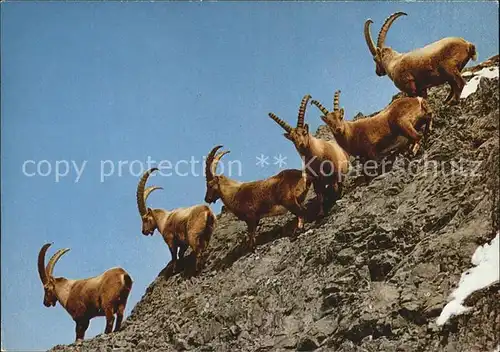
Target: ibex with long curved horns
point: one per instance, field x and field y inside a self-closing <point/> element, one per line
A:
<point x="84" y="299"/>
<point x="325" y="161"/>
<point x="416" y="71"/>
<point x="370" y="137"/>
<point x="180" y="228"/>
<point x="252" y="201"/>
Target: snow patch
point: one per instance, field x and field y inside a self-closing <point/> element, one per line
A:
<point x="485" y="273"/>
<point x="471" y="86"/>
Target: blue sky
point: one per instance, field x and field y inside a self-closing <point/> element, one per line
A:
<point x="127" y="81"/>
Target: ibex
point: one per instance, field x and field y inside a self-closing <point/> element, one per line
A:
<point x="180" y="227"/>
<point x="325" y="161"/>
<point x="251" y="201"/>
<point x="103" y="295"/>
<point x="371" y="137"/>
<point x="416" y="71"/>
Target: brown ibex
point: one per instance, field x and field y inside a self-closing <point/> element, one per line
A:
<point x="84" y="299"/>
<point x="180" y="228"/>
<point x="251" y="201"/>
<point x="325" y="161"/>
<point x="371" y="137"/>
<point x="416" y="71"/>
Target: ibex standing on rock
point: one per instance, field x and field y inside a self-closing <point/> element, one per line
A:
<point x="103" y="295"/>
<point x="325" y="161"/>
<point x="416" y="71"/>
<point x="371" y="137"/>
<point x="251" y="201"/>
<point x="180" y="227"/>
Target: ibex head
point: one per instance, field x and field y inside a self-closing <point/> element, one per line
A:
<point x="299" y="135"/>
<point x="380" y="52"/>
<point x="213" y="188"/>
<point x="48" y="280"/>
<point x="148" y="221"/>
<point x="334" y="119"/>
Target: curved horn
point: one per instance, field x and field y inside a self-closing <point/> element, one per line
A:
<point x="302" y="110"/>
<point x="141" y="200"/>
<point x="385" y="27"/>
<point x="319" y="106"/>
<point x="41" y="262"/>
<point x="368" y="37"/>
<point x="216" y="161"/>
<point x="148" y="191"/>
<point x="54" y="259"/>
<point x="208" y="162"/>
<point x="280" y="122"/>
<point x="336" y="100"/>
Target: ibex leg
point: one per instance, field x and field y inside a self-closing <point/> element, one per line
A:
<point x="200" y="252"/>
<point x="459" y="82"/>
<point x="182" y="250"/>
<point x="319" y="188"/>
<point x="81" y="327"/>
<point x="119" y="316"/>
<point x="450" y="95"/>
<point x="110" y="319"/>
<point x="299" y="211"/>
<point x="410" y="132"/>
<point x="252" y="229"/>
<point x="456" y="82"/>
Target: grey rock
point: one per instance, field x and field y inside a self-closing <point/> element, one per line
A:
<point x="307" y="344"/>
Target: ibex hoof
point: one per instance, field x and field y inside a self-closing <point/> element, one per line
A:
<point x="415" y="149"/>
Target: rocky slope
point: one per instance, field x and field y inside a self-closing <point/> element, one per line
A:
<point x="371" y="276"/>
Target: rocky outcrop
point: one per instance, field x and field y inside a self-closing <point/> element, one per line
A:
<point x="373" y="275"/>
